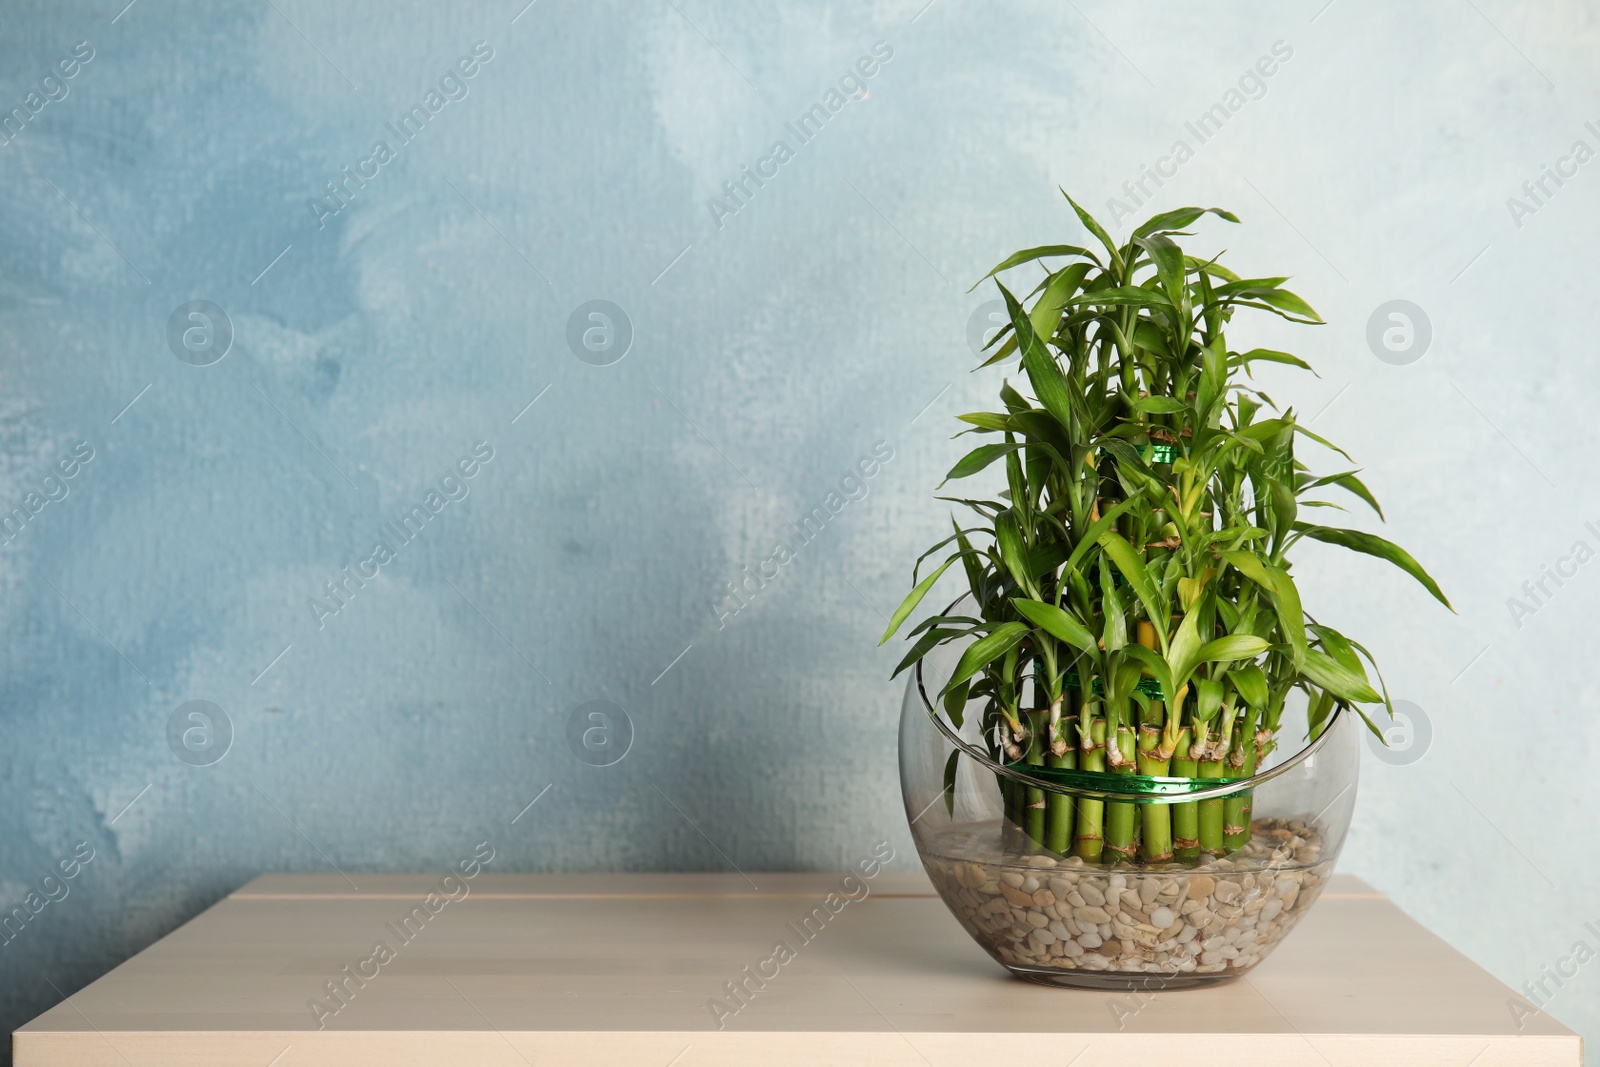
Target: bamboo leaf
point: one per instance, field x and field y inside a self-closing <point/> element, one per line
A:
<point x="1094" y="227"/>
<point x="1336" y="678"/>
<point x="1285" y="599"/>
<point x="1211" y="268"/>
<point x="970" y="563"/>
<point x="1045" y="558"/>
<point x="1287" y="302"/>
<point x="1002" y="353"/>
<point x="1373" y="545"/>
<point x="1091" y="536"/>
<point x="950" y="782"/>
<point x="955" y="702"/>
<point x="1046" y="311"/>
<point x="978" y="459"/>
<point x="1042" y="428"/>
<point x="1124" y="681"/>
<point x="1159" y="405"/>
<point x="1350" y="483"/>
<point x="1158" y="668"/>
<point x="1060" y="624"/>
<point x="1180" y="219"/>
<point x="1232" y="647"/>
<point x="1250" y="287"/>
<point x="1013" y="549"/>
<point x="1285" y="509"/>
<point x="1208" y="695"/>
<point x="1049" y="385"/>
<point x="1168" y="259"/>
<point x="1183" y="652"/>
<point x="1383" y="686"/>
<point x="988" y="420"/>
<point x="1323" y="441"/>
<point x="1127" y="456"/>
<point x="986" y="650"/>
<point x="1251" y="682"/>
<point x="909" y="604"/>
<point x="1014" y="401"/>
<point x="924" y="645"/>
<point x="1150" y="335"/>
<point x="1126" y="560"/>
<point x="1020" y="495"/>
<point x="1291" y="617"/>
<point x="1268" y="355"/>
<point x="988" y="507"/>
<point x="1317" y="716"/>
<point x="1334" y="643"/>
<point x="1135" y="295"/>
<point x="971" y="622"/>
<point x="1028" y="255"/>
<point x="1114" y="632"/>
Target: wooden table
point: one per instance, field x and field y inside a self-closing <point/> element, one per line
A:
<point x="626" y="969"/>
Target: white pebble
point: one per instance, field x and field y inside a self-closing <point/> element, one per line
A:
<point x="1162" y="918"/>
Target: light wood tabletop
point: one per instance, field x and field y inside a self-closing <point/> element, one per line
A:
<point x="684" y="970"/>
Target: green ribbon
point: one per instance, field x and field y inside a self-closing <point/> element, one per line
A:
<point x="1133" y="785"/>
<point x="1155" y="452"/>
<point x="1148" y="686"/>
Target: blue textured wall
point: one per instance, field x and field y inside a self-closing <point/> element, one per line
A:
<point x="572" y="153"/>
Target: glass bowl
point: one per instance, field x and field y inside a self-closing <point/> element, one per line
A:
<point x="1052" y="917"/>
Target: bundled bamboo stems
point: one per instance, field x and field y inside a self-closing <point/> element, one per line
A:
<point x="1134" y="613"/>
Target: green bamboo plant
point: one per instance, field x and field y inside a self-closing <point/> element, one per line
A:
<point x="1133" y="608"/>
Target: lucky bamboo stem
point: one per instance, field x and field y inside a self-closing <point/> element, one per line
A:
<point x="1185" y="816"/>
<point x="1156" y="819"/>
<point x="1058" y="806"/>
<point x="1088" y="843"/>
<point x="1121" y="815"/>
<point x="1013" y="797"/>
<point x="1236" y="809"/>
<point x="1033" y="812"/>
<point x="1211" y="839"/>
<point x="1058" y="809"/>
<point x="1013" y="838"/>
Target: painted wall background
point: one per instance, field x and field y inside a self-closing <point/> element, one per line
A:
<point x="774" y="344"/>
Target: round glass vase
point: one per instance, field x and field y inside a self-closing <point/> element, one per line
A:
<point x="1052" y="916"/>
